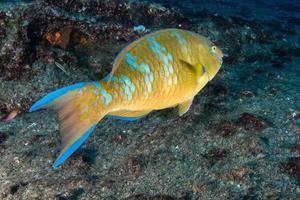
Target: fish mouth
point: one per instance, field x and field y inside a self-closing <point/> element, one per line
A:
<point x="221" y="55"/>
<point x="224" y="55"/>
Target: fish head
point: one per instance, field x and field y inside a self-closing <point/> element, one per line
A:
<point x="211" y="59"/>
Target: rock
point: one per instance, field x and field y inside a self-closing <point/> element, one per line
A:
<point x="14" y="189"/>
<point x="292" y="167"/>
<point x="226" y="128"/>
<point x="246" y="93"/>
<point x="217" y="153"/>
<point x="120" y="138"/>
<point x="239" y="174"/>
<point x="3" y="137"/>
<point x="156" y="197"/>
<point x="295" y="150"/>
<point x="221" y="90"/>
<point x="249" y="121"/>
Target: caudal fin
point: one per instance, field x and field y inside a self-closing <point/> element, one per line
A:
<point x="79" y="112"/>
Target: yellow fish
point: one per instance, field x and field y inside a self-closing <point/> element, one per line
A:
<point x="163" y="69"/>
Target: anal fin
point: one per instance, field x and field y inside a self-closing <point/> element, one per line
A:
<point x="184" y="107"/>
<point x="127" y="115"/>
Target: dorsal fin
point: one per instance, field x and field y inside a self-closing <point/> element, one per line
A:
<point x="129" y="48"/>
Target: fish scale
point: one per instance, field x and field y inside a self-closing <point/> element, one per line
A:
<point x="163" y="69"/>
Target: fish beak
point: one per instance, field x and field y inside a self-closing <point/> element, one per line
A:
<point x="221" y="55"/>
<point x="224" y="55"/>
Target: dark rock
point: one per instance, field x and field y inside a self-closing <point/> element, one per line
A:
<point x="280" y="27"/>
<point x="37" y="138"/>
<point x="292" y="167"/>
<point x="246" y="93"/>
<point x="231" y="59"/>
<point x="273" y="91"/>
<point x="137" y="12"/>
<point x="278" y="65"/>
<point x="3" y="137"/>
<point x="215" y="107"/>
<point x="239" y="173"/>
<point x="295" y="150"/>
<point x="71" y="195"/>
<point x="13" y="62"/>
<point x="265" y="140"/>
<point x="292" y="20"/>
<point x="221" y="22"/>
<point x="252" y="58"/>
<point x="217" y="153"/>
<point x="83" y="158"/>
<point x="226" y="128"/>
<point x="76" y="193"/>
<point x="259" y="70"/>
<point x="221" y="90"/>
<point x="283" y="51"/>
<point x="157" y="197"/>
<point x="25" y="104"/>
<point x="249" y="121"/>
<point x="89" y="156"/>
<point x="120" y="138"/>
<point x="133" y="166"/>
<point x="14" y="188"/>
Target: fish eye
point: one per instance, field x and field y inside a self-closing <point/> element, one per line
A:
<point x="213" y="49"/>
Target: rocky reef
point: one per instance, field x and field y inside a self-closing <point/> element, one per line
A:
<point x="239" y="140"/>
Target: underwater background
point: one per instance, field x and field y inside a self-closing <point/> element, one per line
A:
<point x="239" y="140"/>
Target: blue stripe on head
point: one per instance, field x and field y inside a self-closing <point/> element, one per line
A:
<point x="70" y="150"/>
<point x="54" y="95"/>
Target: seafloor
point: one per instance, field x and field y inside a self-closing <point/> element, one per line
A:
<point x="240" y="139"/>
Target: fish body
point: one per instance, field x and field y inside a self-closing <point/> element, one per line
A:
<point x="160" y="70"/>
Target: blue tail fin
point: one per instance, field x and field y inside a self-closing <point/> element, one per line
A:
<point x="77" y="118"/>
<point x="42" y="103"/>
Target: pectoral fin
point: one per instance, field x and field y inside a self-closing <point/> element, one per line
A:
<point x="198" y="69"/>
<point x="184" y="107"/>
<point x="127" y="115"/>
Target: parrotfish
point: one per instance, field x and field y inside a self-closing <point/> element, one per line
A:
<point x="163" y="69"/>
